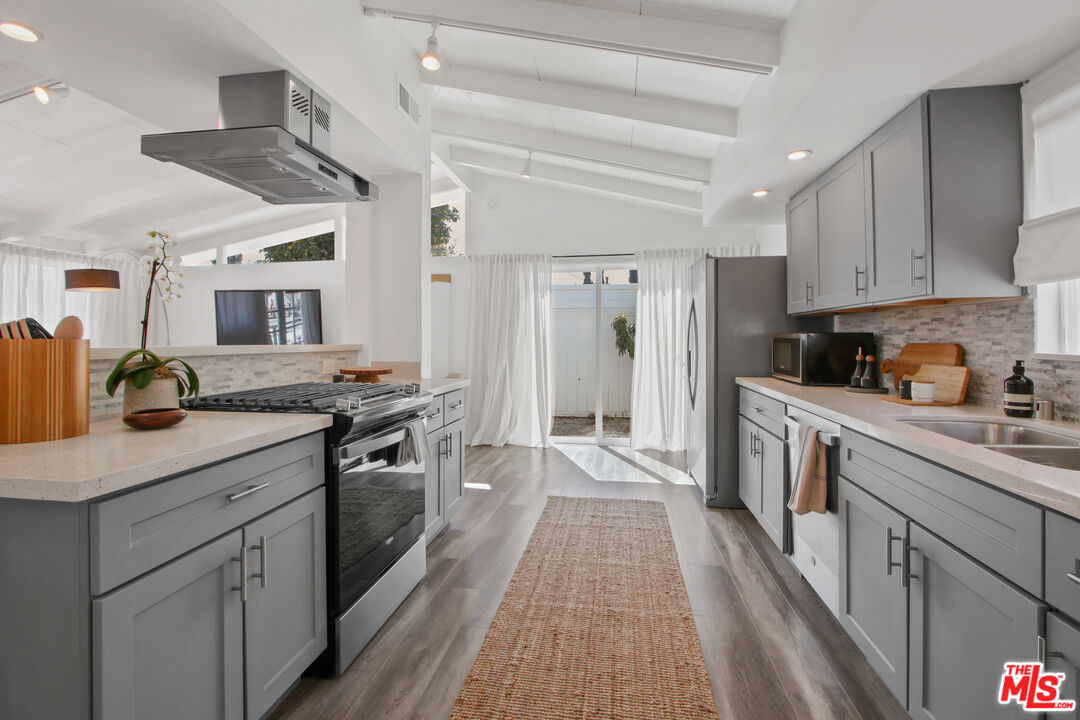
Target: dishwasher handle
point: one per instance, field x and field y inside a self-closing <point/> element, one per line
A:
<point x="830" y="439"/>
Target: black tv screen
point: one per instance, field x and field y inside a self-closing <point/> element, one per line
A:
<point x="268" y="317"/>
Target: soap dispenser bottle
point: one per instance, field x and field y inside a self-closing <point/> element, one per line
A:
<point x="1019" y="393"/>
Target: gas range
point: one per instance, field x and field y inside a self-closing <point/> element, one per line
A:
<point x="358" y="408"/>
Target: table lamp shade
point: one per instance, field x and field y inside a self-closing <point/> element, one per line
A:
<point x="91" y="280"/>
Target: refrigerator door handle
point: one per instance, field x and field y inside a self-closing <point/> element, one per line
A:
<point x="691" y="343"/>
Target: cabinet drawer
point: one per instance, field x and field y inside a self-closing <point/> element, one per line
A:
<point x="1000" y="531"/>
<point x="454" y="405"/>
<point x="766" y="412"/>
<point x="141" y="530"/>
<point x="436" y="414"/>
<point x="1062" y="558"/>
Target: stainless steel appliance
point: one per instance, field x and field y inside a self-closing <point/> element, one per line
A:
<point x="736" y="304"/>
<point x="818" y="358"/>
<point x="375" y="495"/>
<point x="273" y="140"/>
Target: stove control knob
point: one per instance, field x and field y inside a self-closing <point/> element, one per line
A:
<point x="412" y="389"/>
<point x="341" y="404"/>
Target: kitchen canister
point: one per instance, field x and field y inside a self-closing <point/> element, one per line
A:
<point x="922" y="391"/>
<point x="44" y="390"/>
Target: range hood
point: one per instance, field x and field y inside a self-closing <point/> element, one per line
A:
<point x="273" y="141"/>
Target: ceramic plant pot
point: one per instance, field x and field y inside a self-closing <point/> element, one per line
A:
<point x="160" y="394"/>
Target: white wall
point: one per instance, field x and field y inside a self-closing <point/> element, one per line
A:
<point x="192" y="320"/>
<point x="516" y="215"/>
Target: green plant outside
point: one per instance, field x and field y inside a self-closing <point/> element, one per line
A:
<point x="625" y="334"/>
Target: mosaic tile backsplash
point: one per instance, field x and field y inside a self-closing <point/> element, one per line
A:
<point x="993" y="335"/>
<point x="226" y="373"/>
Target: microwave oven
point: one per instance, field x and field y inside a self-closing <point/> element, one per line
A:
<point x="818" y="358"/>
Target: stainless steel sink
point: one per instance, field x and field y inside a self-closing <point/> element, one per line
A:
<point x="1067" y="458"/>
<point x="988" y="432"/>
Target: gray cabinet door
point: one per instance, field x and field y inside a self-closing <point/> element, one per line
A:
<point x="453" y="472"/>
<point x="1063" y="656"/>
<point x="433" y="487"/>
<point x="170" y="644"/>
<point x="841" y="223"/>
<point x="749" y="467"/>
<point x="773" y="460"/>
<point x="897" y="167"/>
<point x="802" y="251"/>
<point x="285" y="613"/>
<point x="966" y="623"/>
<point x="873" y="602"/>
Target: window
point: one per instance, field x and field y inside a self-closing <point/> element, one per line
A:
<point x="307" y="249"/>
<point x="1048" y="256"/>
<point x="448" y="229"/>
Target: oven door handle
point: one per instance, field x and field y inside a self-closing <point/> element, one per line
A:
<point x="363" y="447"/>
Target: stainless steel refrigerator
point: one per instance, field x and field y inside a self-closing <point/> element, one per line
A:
<point x="738" y="303"/>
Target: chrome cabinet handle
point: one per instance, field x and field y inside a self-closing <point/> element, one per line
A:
<point x="1074" y="577"/>
<point x="436" y="413"/>
<point x="450" y="445"/>
<point x="809" y="287"/>
<point x="443" y="452"/>
<point x="243" y="573"/>
<point x="262" y="561"/>
<point x="858" y="272"/>
<point x="905" y="569"/>
<point x="756" y="409"/>
<point x="889" y="564"/>
<point x="250" y="491"/>
<point x="915" y="257"/>
<point x="458" y="404"/>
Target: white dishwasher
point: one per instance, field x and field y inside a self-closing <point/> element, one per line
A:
<point x="815" y="537"/>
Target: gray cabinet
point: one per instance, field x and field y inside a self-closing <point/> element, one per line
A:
<point x="896" y="160"/>
<point x="444" y="481"/>
<point x="941" y="201"/>
<point x="965" y="624"/>
<point x="762" y="465"/>
<point x="1063" y="656"/>
<point x="802" y="251"/>
<point x="873" y="598"/>
<point x="841" y="234"/>
<point x="170" y="644"/>
<point x="285" y="613"/>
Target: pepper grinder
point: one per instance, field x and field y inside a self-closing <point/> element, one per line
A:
<point x="869" y="377"/>
<point x="860" y="366"/>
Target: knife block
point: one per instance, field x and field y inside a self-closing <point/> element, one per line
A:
<point x="44" y="390"/>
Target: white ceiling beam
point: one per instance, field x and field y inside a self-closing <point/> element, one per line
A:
<point x="701" y="43"/>
<point x="711" y="119"/>
<point x="581" y="180"/>
<point x="79" y="213"/>
<point x="525" y="138"/>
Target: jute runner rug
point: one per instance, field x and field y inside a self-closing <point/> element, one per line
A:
<point x="596" y="623"/>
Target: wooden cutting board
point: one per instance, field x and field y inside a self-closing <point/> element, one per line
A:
<point x="913" y="355"/>
<point x="951" y="382"/>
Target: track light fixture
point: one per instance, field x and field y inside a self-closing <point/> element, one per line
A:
<point x="526" y="172"/>
<point x="430" y="59"/>
<point x="45" y="93"/>
<point x="19" y="31"/>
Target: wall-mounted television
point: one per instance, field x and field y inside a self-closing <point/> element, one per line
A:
<point x="268" y="317"/>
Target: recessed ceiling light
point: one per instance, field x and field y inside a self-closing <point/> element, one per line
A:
<point x="430" y="59"/>
<point x="760" y="193"/>
<point x="45" y="93"/>
<point x="797" y="154"/>
<point x="19" y="31"/>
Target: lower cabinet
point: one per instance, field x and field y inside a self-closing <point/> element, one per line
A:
<point x="229" y="626"/>
<point x="966" y="623"/>
<point x="444" y="487"/>
<point x="1063" y="656"/>
<point x="762" y="466"/>
<point x="873" y="596"/>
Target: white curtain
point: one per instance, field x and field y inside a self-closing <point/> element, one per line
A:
<point x="659" y="403"/>
<point x="32" y="285"/>
<point x="509" y="351"/>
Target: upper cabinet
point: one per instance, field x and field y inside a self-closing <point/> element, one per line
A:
<point x="927" y="208"/>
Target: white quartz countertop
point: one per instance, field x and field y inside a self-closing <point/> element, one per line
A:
<point x="870" y="415"/>
<point x="114" y="457"/>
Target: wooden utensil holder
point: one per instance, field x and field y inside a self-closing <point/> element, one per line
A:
<point x="44" y="390"/>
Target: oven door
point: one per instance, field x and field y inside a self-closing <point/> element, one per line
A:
<point x="788" y="357"/>
<point x="378" y="510"/>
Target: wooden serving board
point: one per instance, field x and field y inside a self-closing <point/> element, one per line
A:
<point x="903" y="401"/>
<point x="914" y="355"/>
<point x="951" y="383"/>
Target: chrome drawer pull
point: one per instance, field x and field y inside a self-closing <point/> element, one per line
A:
<point x="251" y="490"/>
<point x="262" y="561"/>
<point x="243" y="574"/>
<point x="458" y="404"/>
<point x="889" y="564"/>
<point x="1074" y="577"/>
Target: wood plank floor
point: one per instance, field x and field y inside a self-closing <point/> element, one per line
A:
<point x="772" y="648"/>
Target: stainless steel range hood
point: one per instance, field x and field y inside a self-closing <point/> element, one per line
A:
<point x="274" y="141"/>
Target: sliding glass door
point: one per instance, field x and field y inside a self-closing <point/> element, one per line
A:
<point x="594" y="318"/>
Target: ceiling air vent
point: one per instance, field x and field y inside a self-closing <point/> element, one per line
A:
<point x="407" y="104"/>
